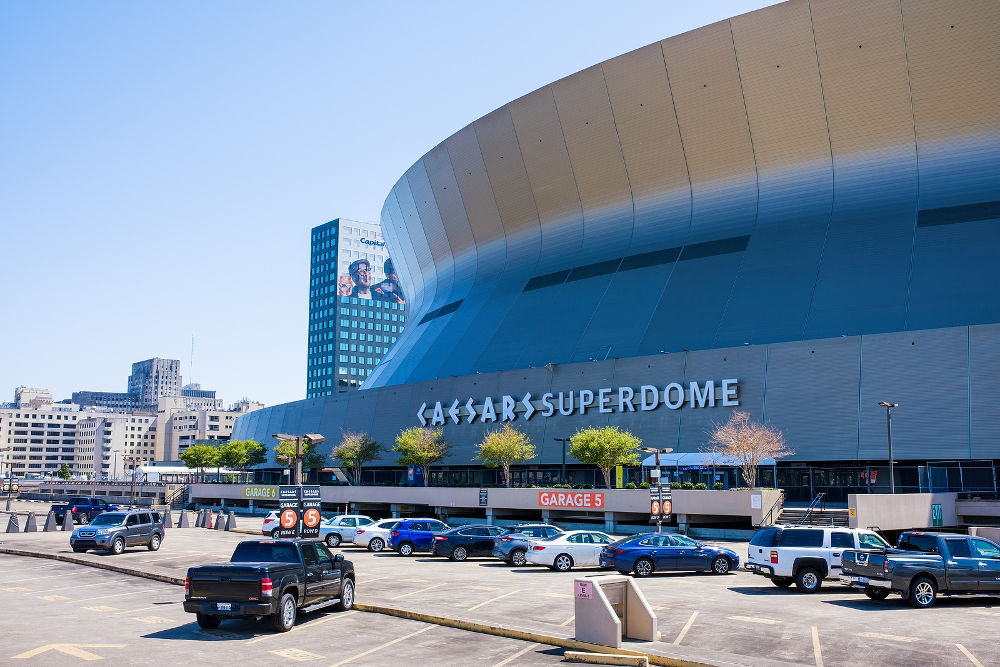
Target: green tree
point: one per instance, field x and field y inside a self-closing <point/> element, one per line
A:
<point x="284" y="454"/>
<point x="504" y="447"/>
<point x="64" y="471"/>
<point x="242" y="454"/>
<point x="421" y="446"/>
<point x="355" y="450"/>
<point x="200" y="457"/>
<point x="605" y="448"/>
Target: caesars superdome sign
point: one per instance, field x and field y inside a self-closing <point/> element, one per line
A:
<point x="672" y="396"/>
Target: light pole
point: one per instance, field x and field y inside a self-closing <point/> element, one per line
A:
<point x="659" y="482"/>
<point x="562" y="474"/>
<point x="888" y="426"/>
<point x="129" y="458"/>
<point x="309" y="439"/>
<point x="9" y="482"/>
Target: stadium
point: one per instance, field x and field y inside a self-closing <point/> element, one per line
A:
<point x="793" y="212"/>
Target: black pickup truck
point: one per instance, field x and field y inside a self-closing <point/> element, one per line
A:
<point x="275" y="579"/>
<point x="925" y="565"/>
<point x="83" y="509"/>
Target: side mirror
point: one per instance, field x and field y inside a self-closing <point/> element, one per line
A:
<point x="338" y="558"/>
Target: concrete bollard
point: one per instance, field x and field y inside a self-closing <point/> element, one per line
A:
<point x="231" y="523"/>
<point x="50" y="523"/>
<point x="12" y="525"/>
<point x="199" y="519"/>
<point x="182" y="521"/>
<point x="220" y="524"/>
<point x="30" y="525"/>
<point x="68" y="521"/>
<point x="167" y="519"/>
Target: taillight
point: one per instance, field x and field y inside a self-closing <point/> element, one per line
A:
<point x="395" y="533"/>
<point x="841" y="560"/>
<point x="440" y="538"/>
<point x="538" y="548"/>
<point x="774" y="557"/>
<point x="187" y="585"/>
<point x="506" y="539"/>
<point x="360" y="530"/>
<point x="886" y="567"/>
<point x="74" y="510"/>
<point x="616" y="550"/>
<point x="266" y="587"/>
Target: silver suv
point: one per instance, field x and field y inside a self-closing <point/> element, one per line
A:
<point x="113" y="531"/>
<point x="805" y="555"/>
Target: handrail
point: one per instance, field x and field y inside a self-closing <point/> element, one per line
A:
<point x="807" y="515"/>
<point x="768" y="519"/>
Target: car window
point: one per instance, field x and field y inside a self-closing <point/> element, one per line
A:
<point x="145" y="518"/>
<point x="552" y="531"/>
<point x="364" y="521"/>
<point x="309" y="554"/>
<point x="348" y="522"/>
<point x="925" y="543"/>
<point x="435" y="525"/>
<point x="324" y="555"/>
<point x="985" y="549"/>
<point x="871" y="541"/>
<point x="765" y="537"/>
<point x="601" y="539"/>
<point x="468" y="531"/>
<point x="132" y="520"/>
<point x="534" y="531"/>
<point x="107" y="519"/>
<point x="98" y="502"/>
<point x="842" y="540"/>
<point x="493" y="531"/>
<point x="682" y="541"/>
<point x="801" y="538"/>
<point x="156" y="517"/>
<point x="959" y="548"/>
<point x="575" y="539"/>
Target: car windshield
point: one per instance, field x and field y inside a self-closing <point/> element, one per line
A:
<point x="108" y="519"/>
<point x="627" y="539"/>
<point x="552" y="537"/>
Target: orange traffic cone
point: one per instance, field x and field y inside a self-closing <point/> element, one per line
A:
<point x="210" y="518"/>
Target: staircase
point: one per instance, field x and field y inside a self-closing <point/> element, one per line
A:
<point x="176" y="496"/>
<point x="803" y="516"/>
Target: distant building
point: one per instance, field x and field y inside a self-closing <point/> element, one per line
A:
<point x="109" y="400"/>
<point x="38" y="440"/>
<point x="151" y="381"/>
<point x="184" y="428"/>
<point x="30" y="397"/>
<point x="108" y="446"/>
<point x="356" y="306"/>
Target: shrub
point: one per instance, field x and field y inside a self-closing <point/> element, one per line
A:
<point x="687" y="485"/>
<point x="700" y="486"/>
<point x="675" y="485"/>
<point x="644" y="485"/>
<point x="630" y="485"/>
<point x="718" y="486"/>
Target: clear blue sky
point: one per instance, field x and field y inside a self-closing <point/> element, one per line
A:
<point x="161" y="164"/>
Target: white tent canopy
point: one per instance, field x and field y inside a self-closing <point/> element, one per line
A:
<point x="696" y="460"/>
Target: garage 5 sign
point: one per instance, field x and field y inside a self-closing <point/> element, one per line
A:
<point x="574" y="499"/>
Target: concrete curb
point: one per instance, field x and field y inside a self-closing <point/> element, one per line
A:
<point x="527" y="635"/>
<point x="605" y="658"/>
<point x="101" y="566"/>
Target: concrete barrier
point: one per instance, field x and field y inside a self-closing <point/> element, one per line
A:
<point x="30" y="525"/>
<point x="50" y="523"/>
<point x="231" y="522"/>
<point x="12" y="525"/>
<point x="182" y="521"/>
<point x="220" y="522"/>
<point x="67" y="523"/>
<point x="167" y="519"/>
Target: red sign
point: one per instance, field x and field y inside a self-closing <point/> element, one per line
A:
<point x="574" y="499"/>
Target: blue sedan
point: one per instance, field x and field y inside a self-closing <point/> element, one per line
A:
<point x="660" y="552"/>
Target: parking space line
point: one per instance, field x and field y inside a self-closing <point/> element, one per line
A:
<point x="684" y="630"/>
<point x="118" y="595"/>
<point x="816" y="652"/>
<point x="385" y="645"/>
<point x="66" y="588"/>
<point x="499" y="597"/>
<point x="422" y="590"/>
<point x="304" y="626"/>
<point x="754" y="619"/>
<point x="969" y="655"/>
<point x="517" y="655"/>
<point x="368" y="581"/>
<point x="892" y="638"/>
<point x="568" y="620"/>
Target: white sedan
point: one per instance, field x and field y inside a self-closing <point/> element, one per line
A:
<point x="341" y="528"/>
<point x="561" y="552"/>
<point x="375" y="536"/>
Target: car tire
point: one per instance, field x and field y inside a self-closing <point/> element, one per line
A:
<point x="333" y="540"/>
<point x="117" y="546"/>
<point x="783" y="582"/>
<point x="923" y="592"/>
<point x="721" y="565"/>
<point x="562" y="563"/>
<point x="84" y="519"/>
<point x="285" y="618"/>
<point x="643" y="567"/>
<point x="376" y="544"/>
<point x="346" y="596"/>
<point x="517" y="558"/>
<point x="877" y="593"/>
<point x="405" y="549"/>
<point x="459" y="553"/>
<point x="208" y="621"/>
<point x="154" y="542"/>
<point x="274" y="534"/>
<point x="808" y="580"/>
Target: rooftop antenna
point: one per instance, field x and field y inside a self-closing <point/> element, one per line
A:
<point x="191" y="363"/>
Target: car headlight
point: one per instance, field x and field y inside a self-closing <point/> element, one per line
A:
<point x="103" y="531"/>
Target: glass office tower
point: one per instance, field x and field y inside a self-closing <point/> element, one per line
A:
<point x="356" y="306"/>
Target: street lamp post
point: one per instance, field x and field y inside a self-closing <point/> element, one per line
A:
<point x="10" y="480"/>
<point x="308" y="438"/>
<point x="562" y="474"/>
<point x="888" y="426"/>
<point x="132" y="460"/>
<point x="659" y="482"/>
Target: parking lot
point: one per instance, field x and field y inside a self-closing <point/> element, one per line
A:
<point x="733" y="619"/>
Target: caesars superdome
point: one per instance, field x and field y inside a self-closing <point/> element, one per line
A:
<point x="794" y="212"/>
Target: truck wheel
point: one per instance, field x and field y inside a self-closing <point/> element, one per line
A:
<point x="333" y="540"/>
<point x="154" y="542"/>
<point x="807" y="580"/>
<point x="346" y="596"/>
<point x="208" y="621"/>
<point x="720" y="565"/>
<point x="405" y="549"/>
<point x="517" y="558"/>
<point x="285" y="618"/>
<point x="459" y="553"/>
<point x="923" y="592"/>
<point x="118" y="546"/>
<point x="782" y="582"/>
<point x="643" y="567"/>
<point x="877" y="593"/>
<point x="84" y="519"/>
<point x="376" y="544"/>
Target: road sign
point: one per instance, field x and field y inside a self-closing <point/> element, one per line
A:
<point x="310" y="511"/>
<point x="288" y="512"/>
<point x="484" y="497"/>
<point x="666" y="506"/>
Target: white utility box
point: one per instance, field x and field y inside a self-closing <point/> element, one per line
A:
<point x="610" y="607"/>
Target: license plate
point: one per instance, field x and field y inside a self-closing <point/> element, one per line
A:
<point x="752" y="568"/>
<point x="224" y="606"/>
<point x="860" y="580"/>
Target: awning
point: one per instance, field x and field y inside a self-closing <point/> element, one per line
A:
<point x="696" y="460"/>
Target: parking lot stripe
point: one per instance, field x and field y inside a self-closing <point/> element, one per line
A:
<point x="892" y="638"/>
<point x="385" y="645"/>
<point x="684" y="630"/>
<point x="568" y="620"/>
<point x="816" y="652"/>
<point x="754" y="619"/>
<point x="118" y="595"/>
<point x="969" y="655"/>
<point x="529" y="647"/>
<point x="304" y="626"/>
<point x="422" y="590"/>
<point x="66" y="588"/>
<point x="499" y="597"/>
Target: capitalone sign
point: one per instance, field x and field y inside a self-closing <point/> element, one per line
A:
<point x="606" y="400"/>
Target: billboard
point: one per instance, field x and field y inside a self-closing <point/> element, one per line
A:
<point x="365" y="281"/>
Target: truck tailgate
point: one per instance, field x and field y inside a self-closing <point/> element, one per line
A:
<point x="222" y="582"/>
<point x="864" y="563"/>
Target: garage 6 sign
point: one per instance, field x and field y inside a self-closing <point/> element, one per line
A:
<point x="572" y="499"/>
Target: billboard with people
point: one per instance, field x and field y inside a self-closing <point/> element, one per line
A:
<point x="366" y="282"/>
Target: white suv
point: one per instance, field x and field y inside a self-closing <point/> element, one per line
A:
<point x="805" y="555"/>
